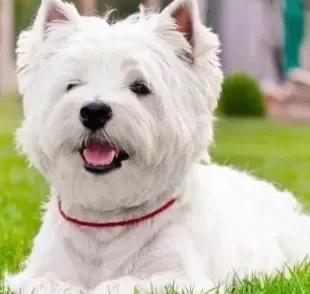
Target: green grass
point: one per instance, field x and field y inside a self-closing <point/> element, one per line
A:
<point x="21" y="191"/>
<point x="279" y="153"/>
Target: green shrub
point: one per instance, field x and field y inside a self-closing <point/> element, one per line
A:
<point x="241" y="96"/>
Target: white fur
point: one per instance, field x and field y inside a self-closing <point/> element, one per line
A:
<point x="224" y="221"/>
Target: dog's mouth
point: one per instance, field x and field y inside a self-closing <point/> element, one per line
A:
<point x="102" y="158"/>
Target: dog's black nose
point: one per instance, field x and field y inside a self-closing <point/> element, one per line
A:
<point x="95" y="115"/>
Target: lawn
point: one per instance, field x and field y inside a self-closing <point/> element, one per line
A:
<point x="279" y="153"/>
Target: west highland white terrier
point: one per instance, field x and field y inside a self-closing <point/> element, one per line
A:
<point x="117" y="118"/>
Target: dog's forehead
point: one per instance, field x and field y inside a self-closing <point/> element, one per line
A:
<point x="118" y="48"/>
<point x="119" y="34"/>
<point x="92" y="24"/>
<point x="115" y="43"/>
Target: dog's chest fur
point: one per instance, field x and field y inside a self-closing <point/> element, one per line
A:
<point x="87" y="257"/>
<point x="216" y="231"/>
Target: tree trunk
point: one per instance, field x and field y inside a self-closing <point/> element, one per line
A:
<point x="7" y="70"/>
<point x="155" y="4"/>
<point x="88" y="7"/>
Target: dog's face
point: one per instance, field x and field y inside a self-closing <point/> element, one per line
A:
<point x="115" y="114"/>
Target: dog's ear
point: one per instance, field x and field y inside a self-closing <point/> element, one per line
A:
<point x="55" y="15"/>
<point x="52" y="13"/>
<point x="185" y="15"/>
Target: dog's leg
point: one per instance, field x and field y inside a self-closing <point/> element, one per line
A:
<point x="159" y="284"/>
<point x="124" y="285"/>
<point x="26" y="284"/>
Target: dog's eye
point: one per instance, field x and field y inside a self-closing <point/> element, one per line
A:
<point x="139" y="88"/>
<point x="72" y="85"/>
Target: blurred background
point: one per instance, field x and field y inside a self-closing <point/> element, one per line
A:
<point x="264" y="110"/>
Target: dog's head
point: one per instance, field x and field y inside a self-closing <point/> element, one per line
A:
<point x="115" y="113"/>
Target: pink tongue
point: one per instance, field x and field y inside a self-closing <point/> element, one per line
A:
<point x="99" y="155"/>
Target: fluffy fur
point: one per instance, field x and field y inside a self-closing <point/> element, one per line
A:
<point x="224" y="221"/>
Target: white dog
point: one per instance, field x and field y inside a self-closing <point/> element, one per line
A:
<point x="117" y="117"/>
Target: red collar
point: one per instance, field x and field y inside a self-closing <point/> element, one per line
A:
<point x="129" y="222"/>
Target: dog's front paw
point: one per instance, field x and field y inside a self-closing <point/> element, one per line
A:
<point x="157" y="285"/>
<point x="24" y="284"/>
<point x="124" y="285"/>
<point x="179" y="285"/>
